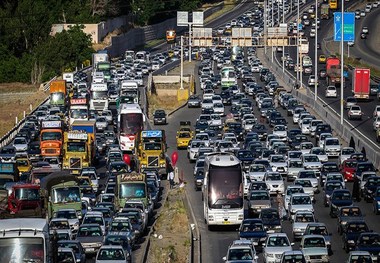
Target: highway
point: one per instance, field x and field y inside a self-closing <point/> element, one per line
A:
<point x="365" y="125"/>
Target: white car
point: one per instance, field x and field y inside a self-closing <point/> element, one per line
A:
<point x="306" y="185"/>
<point x="193" y="148"/>
<point x="311" y="81"/>
<point x="376" y="123"/>
<point x="219" y="108"/>
<point x="311" y="162"/>
<point x="331" y="92"/>
<point x="300" y="202"/>
<point x="320" y="152"/>
<point x="322" y="138"/>
<point x="313" y="126"/>
<point x="300" y="222"/>
<point x="310" y="175"/>
<point x="278" y="163"/>
<point x="332" y="147"/>
<point x="203" y="136"/>
<point x="305" y="125"/>
<point x="376" y="112"/>
<point x="290" y="190"/>
<point x="305" y="147"/>
<point x="216" y="119"/>
<point x="275" y="182"/>
<point x="256" y="172"/>
<point x="345" y="153"/>
<point x="207" y="103"/>
<point x="281" y="131"/>
<point x="275" y="245"/>
<point x="20" y="144"/>
<point x="355" y="112"/>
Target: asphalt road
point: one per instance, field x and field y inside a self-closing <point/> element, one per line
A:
<point x="365" y="126"/>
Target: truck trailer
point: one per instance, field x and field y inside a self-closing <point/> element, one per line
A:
<point x="361" y="83"/>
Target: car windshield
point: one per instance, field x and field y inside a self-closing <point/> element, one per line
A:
<point x="304" y="218"/>
<point x="370" y="240"/>
<point x="240" y="254"/>
<point x="278" y="242"/>
<point x="311" y="159"/>
<point x="259" y="196"/>
<point x="111" y="254"/>
<point x="342" y="196"/>
<point x="318" y="230"/>
<point x="301" y="200"/>
<point x="314" y="242"/>
<point x="274" y="177"/>
<point x="89" y="231"/>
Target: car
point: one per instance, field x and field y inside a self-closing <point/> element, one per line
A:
<point x="65" y="254"/>
<point x="91" y="237"/>
<point x="330" y="92"/>
<point x="322" y="59"/>
<point x="241" y="251"/>
<point x="314" y="248"/>
<point x="311" y="81"/>
<point x="257" y="200"/>
<point x="253" y="229"/>
<point x="275" y="182"/>
<point x="292" y="256"/>
<point x="369" y="241"/>
<point x="351" y="43"/>
<point x="370" y="187"/>
<point x="328" y="188"/>
<point x="271" y="220"/>
<point x="363" y="36"/>
<point x="359" y="256"/>
<point x="345" y="153"/>
<point x="71" y="215"/>
<point x="300" y="222"/>
<point x="355" y="112"/>
<point x="290" y="190"/>
<point x="365" y="30"/>
<point x="349" y="101"/>
<point x="20" y="144"/>
<point x="77" y="248"/>
<point x="275" y="245"/>
<point x="320" y="229"/>
<point x="194" y="102"/>
<point x="298" y="202"/>
<point x="338" y="199"/>
<point x="351" y="233"/>
<point x="111" y="253"/>
<point x="159" y="117"/>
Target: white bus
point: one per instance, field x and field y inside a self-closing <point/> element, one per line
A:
<point x="223" y="193"/>
<point x="131" y="121"/>
<point x="228" y="77"/>
<point x="99" y="96"/>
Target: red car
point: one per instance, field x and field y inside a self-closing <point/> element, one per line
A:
<point x="348" y="169"/>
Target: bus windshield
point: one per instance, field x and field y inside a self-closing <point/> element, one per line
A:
<point x="132" y="190"/>
<point x="225" y="187"/>
<point x="131" y="123"/>
<point x="22" y="249"/>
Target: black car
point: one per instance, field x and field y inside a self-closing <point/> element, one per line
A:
<point x="339" y="198"/>
<point x="369" y="241"/>
<point x="194" y="102"/>
<point x="198" y="179"/>
<point x="253" y="229"/>
<point x="271" y="219"/>
<point x="352" y="232"/>
<point x="346" y="214"/>
<point x="159" y="117"/>
<point x="370" y="187"/>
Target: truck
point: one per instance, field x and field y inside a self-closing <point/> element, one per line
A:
<point x="101" y="63"/>
<point x="68" y="77"/>
<point x="25" y="240"/>
<point x="361" y="83"/>
<point x="8" y="173"/>
<point x="78" y="110"/>
<point x="325" y="9"/>
<point x="170" y="36"/>
<point x="60" y="190"/>
<point x="51" y="138"/>
<point x="151" y="151"/>
<point x="99" y="57"/>
<point x="79" y="150"/>
<point x="333" y="71"/>
<point x="130" y="186"/>
<point x="58" y="93"/>
<point x="25" y="201"/>
<point x="99" y="96"/>
<point x="130" y="88"/>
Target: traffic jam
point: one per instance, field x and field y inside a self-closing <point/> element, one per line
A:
<point x="82" y="179"/>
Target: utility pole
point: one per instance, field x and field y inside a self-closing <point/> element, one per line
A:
<point x="341" y="64"/>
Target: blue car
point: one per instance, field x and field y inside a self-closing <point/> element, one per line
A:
<point x="253" y="229"/>
<point x="369" y="241"/>
<point x="352" y="232"/>
<point x="246" y="157"/>
<point x="339" y="198"/>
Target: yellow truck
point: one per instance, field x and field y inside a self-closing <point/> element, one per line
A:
<point x="79" y="151"/>
<point x="151" y="151"/>
<point x="184" y="135"/>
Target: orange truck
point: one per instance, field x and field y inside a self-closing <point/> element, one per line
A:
<point x="333" y="70"/>
<point x="171" y="36"/>
<point x="58" y="93"/>
<point x="51" y="138"/>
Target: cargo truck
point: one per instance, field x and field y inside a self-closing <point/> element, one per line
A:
<point x="58" y="93"/>
<point x="99" y="96"/>
<point x="325" y="8"/>
<point x="25" y="240"/>
<point x="333" y="71"/>
<point x="78" y="110"/>
<point x="361" y="83"/>
<point x="68" y="77"/>
<point x="60" y="190"/>
<point x="130" y="186"/>
<point x="25" y="200"/>
<point x="51" y="137"/>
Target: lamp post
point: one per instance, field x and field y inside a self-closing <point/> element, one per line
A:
<point x="298" y="41"/>
<point x="341" y="63"/>
<point x="315" y="52"/>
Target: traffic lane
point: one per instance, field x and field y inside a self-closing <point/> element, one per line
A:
<point x="366" y="49"/>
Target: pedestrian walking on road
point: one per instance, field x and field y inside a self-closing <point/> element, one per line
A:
<point x="171" y="178"/>
<point x="355" y="189"/>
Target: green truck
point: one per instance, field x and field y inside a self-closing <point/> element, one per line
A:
<point x="131" y="186"/>
<point x="60" y="190"/>
<point x="325" y="9"/>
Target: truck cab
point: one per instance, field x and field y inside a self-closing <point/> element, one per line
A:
<point x="51" y="138"/>
<point x="25" y="200"/>
<point x="78" y="110"/>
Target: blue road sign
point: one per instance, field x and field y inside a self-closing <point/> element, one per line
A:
<point x="349" y="26"/>
<point x="300" y="26"/>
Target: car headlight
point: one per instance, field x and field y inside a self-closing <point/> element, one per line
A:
<point x="350" y="241"/>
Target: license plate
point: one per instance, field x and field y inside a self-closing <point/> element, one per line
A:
<point x="226" y="222"/>
<point x="90" y="249"/>
<point x="255" y="243"/>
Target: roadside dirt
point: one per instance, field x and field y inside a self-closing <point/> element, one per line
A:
<point x="170" y="240"/>
<point x="16" y="107"/>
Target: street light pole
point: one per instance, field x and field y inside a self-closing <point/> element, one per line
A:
<point x="298" y="40"/>
<point x="341" y="64"/>
<point x="181" y="77"/>
<point x="265" y="26"/>
<point x="315" y="52"/>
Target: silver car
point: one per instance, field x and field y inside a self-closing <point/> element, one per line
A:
<point x="300" y="222"/>
<point x="275" y="245"/>
<point x="314" y="248"/>
<point x="257" y="200"/>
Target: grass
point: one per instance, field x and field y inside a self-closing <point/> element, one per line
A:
<point x="173" y="225"/>
<point x="16" y="107"/>
<point x="228" y="6"/>
<point x="357" y="64"/>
